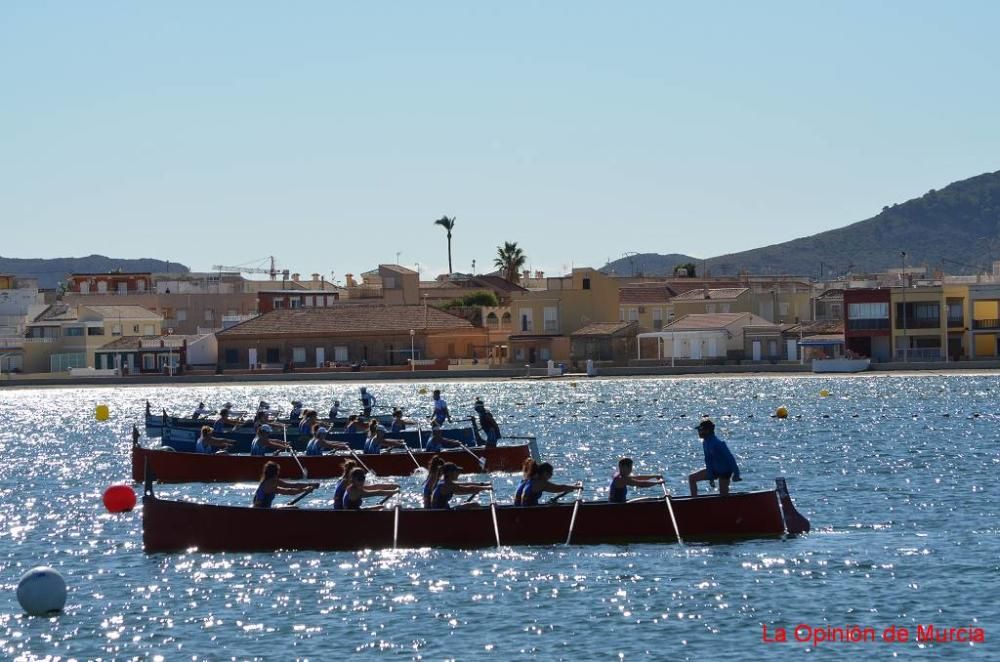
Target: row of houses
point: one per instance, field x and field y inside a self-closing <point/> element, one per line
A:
<point x="140" y="322"/>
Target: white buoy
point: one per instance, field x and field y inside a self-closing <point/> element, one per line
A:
<point x="42" y="591"/>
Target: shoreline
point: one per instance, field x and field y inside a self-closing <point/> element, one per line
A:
<point x="501" y="375"/>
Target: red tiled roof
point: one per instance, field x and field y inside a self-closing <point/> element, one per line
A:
<point x="604" y="329"/>
<point x="706" y="321"/>
<point x="713" y="294"/>
<point x="347" y="319"/>
<point x="651" y="293"/>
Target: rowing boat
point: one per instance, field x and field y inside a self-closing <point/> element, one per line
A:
<point x="169" y="466"/>
<point x="155" y="423"/>
<point x="173" y="526"/>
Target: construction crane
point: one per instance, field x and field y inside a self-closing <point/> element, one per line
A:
<point x="272" y="271"/>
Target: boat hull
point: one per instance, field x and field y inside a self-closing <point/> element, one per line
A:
<point x="172" y="526"/>
<point x="177" y="467"/>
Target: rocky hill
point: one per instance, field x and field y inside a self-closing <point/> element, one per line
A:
<point x="955" y="229"/>
<point x="50" y="272"/>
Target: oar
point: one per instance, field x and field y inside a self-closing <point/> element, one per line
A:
<point x="363" y="465"/>
<point x="493" y="512"/>
<point x="412" y="457"/>
<point x="480" y="460"/>
<point x="670" y="511"/>
<point x="299" y="497"/>
<point x="395" y="526"/>
<point x="420" y="434"/>
<point x="576" y="507"/>
<point x="291" y="449"/>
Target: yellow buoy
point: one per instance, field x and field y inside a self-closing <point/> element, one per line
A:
<point x="422" y="391"/>
<point x="781" y="412"/>
<point x="824" y="393"/>
<point x="101" y="413"/>
<point x="573" y="384"/>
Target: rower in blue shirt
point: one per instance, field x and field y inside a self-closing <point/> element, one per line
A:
<point x="320" y="443"/>
<point x="448" y="487"/>
<point x="262" y="444"/>
<point x="618" y="489"/>
<point x="207" y="443"/>
<point x="271" y="485"/>
<point x="719" y="461"/>
<point x="438" y="442"/>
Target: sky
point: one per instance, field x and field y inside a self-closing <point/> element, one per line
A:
<point x="331" y="135"/>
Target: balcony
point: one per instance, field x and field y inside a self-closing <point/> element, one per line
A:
<point x="920" y="354"/>
<point x="956" y="322"/>
<point x="986" y="325"/>
<point x="919" y="323"/>
<point x="878" y="324"/>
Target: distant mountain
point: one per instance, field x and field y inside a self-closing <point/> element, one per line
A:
<point x="650" y="264"/>
<point x="50" y="272"/>
<point x="955" y="229"/>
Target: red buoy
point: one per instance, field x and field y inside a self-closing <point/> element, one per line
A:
<point x="119" y="499"/>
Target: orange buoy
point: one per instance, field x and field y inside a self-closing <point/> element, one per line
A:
<point x="119" y="499"/>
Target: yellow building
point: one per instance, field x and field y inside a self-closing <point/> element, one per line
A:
<point x="61" y="336"/>
<point x="919" y="321"/>
<point x="709" y="301"/>
<point x="984" y="305"/>
<point x="650" y="305"/>
<point x="543" y="319"/>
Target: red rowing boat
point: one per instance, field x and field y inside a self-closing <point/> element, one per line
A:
<point x="171" y="526"/>
<point x="169" y="466"/>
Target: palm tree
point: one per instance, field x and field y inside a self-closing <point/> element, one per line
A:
<point x="447" y="224"/>
<point x="510" y="260"/>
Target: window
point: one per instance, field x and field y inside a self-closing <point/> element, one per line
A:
<point x="298" y="354"/>
<point x="526" y="321"/>
<point x="783" y="309"/>
<point x="278" y="302"/>
<point x="232" y="356"/>
<point x="148" y="362"/>
<point x="182" y="314"/>
<point x="140" y="285"/>
<point x="74" y="331"/>
<point x="632" y="315"/>
<point x="544" y="354"/>
<point x="505" y="320"/>
<point x="84" y="288"/>
<point x="102" y="286"/>
<point x="492" y="321"/>
<point x="209" y="315"/>
<point x="95" y="331"/>
<point x="310" y="302"/>
<point x="621" y="313"/>
<point x="340" y="353"/>
<point x="116" y="329"/>
<point x="870" y="311"/>
<point x="294" y="302"/>
<point x="724" y="307"/>
<point x="135" y="329"/>
<point x="272" y="355"/>
<point x="551" y="318"/>
<point x="835" y="311"/>
<point x="657" y="318"/>
<point x="519" y="354"/>
<point x="586" y="283"/>
<point x="389" y="282"/>
<point x="149" y="330"/>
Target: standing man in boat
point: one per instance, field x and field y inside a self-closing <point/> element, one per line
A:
<point x="487" y="423"/>
<point x="334" y="412"/>
<point x="296" y="413"/>
<point x="441" y="412"/>
<point x="367" y="402"/>
<point x="719" y="461"/>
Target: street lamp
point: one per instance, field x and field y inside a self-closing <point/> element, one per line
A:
<point x="412" y="366"/>
<point x="906" y="343"/>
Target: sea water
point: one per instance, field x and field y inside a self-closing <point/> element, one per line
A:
<point x="896" y="474"/>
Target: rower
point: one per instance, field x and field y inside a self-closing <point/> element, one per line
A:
<point x="448" y="487"/>
<point x="262" y="443"/>
<point x="398" y="422"/>
<point x="199" y="411"/>
<point x="487" y="423"/>
<point x="357" y="491"/>
<point x="540" y="481"/>
<point x="367" y="402"/>
<point x="220" y="423"/>
<point x="343" y="483"/>
<point x="207" y="443"/>
<point x="353" y="424"/>
<point x="438" y="441"/>
<point x="296" y="413"/>
<point x="319" y="442"/>
<point x="441" y="412"/>
<point x="307" y="419"/>
<point x="377" y="440"/>
<point x="618" y="489"/>
<point x="527" y="469"/>
<point x="271" y="485"/>
<point x="334" y="411"/>
<point x="719" y="461"/>
<point x="433" y="476"/>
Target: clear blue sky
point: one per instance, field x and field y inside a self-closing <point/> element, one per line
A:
<point x="331" y="135"/>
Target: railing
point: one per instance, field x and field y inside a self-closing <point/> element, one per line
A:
<point x="920" y="354"/>
<point x="18" y="342"/>
<point x="988" y="324"/>
<point x="551" y="325"/>
<point x="880" y="324"/>
<point x="956" y="322"/>
<point x="918" y="323"/>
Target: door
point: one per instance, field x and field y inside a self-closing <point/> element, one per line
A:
<point x="791" y="347"/>
<point x="712" y="347"/>
<point x="252" y="357"/>
<point x="756" y="350"/>
<point x="696" y="348"/>
<point x="320" y="357"/>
